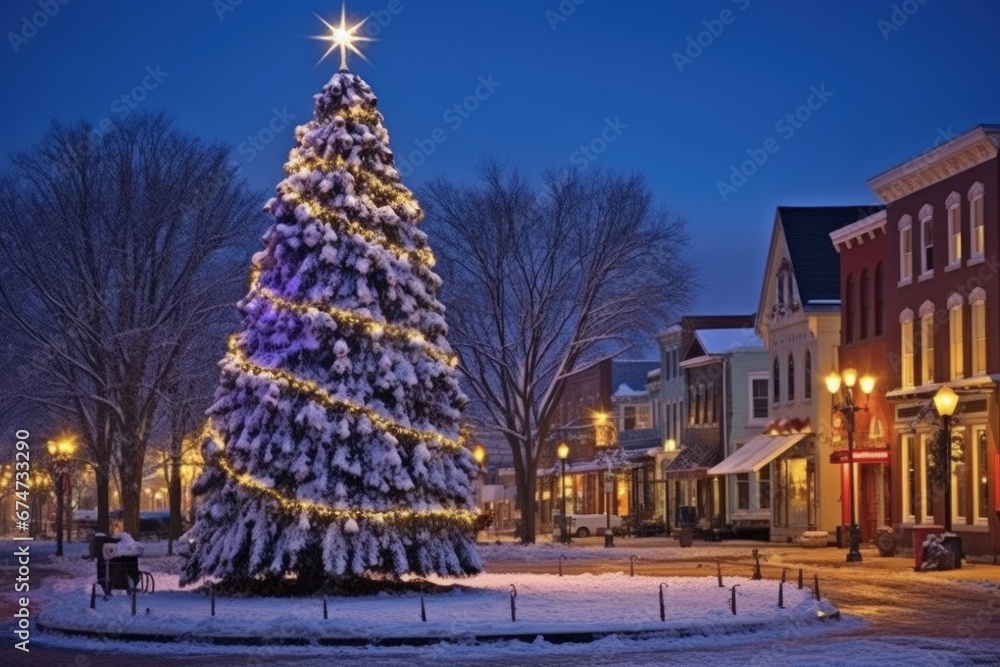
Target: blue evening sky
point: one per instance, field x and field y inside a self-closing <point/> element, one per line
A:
<point x="894" y="79"/>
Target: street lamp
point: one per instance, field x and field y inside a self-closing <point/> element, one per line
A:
<point x="562" y="451"/>
<point x="60" y="450"/>
<point x="945" y="402"/>
<point x="846" y="406"/>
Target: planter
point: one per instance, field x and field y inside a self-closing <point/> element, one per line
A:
<point x="886" y="543"/>
<point x="685" y="537"/>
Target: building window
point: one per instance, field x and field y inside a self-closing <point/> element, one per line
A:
<point x="926" y="241"/>
<point x="807" y="391"/>
<point x="981" y="474"/>
<point x="954" y="230"/>
<point x="910" y="481"/>
<point x="976" y="219"/>
<point x="960" y="488"/>
<point x="905" y="249"/>
<point x="743" y="491"/>
<point x="781" y="289"/>
<point x="879" y="300"/>
<point x="849" y="309"/>
<point x="906" y="346"/>
<point x="865" y="299"/>
<point x="977" y="301"/>
<point x="791" y="377"/>
<point x="955" y="338"/>
<point x="927" y="347"/>
<point x="776" y="377"/>
<point x="764" y="488"/>
<point x="758" y="398"/>
<point x="927" y="506"/>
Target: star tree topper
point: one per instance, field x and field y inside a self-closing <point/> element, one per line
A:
<point x="343" y="37"/>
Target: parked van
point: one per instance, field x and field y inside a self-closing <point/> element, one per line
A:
<point x="584" y="525"/>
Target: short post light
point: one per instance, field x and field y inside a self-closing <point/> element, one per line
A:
<point x="562" y="451"/>
<point x="61" y="451"/>
<point x="844" y="383"/>
<point x="945" y="402"/>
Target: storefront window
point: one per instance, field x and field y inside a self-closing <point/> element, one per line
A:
<point x="764" y="488"/>
<point x="743" y="491"/>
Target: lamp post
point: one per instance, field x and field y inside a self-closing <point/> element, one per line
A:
<point x="562" y="451"/>
<point x="479" y="455"/>
<point x="945" y="402"/>
<point x="60" y="450"/>
<point x="848" y="378"/>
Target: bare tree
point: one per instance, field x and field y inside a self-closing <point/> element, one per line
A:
<point x="541" y="280"/>
<point x="117" y="251"/>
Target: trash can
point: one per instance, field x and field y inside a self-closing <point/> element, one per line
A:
<point x="114" y="571"/>
<point x="685" y="536"/>
<point x="920" y="534"/>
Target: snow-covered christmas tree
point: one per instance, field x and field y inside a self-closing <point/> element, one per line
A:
<point x="333" y="446"/>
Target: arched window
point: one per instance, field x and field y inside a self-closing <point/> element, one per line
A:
<point x="866" y="302"/>
<point x="791" y="377"/>
<point x="777" y="380"/>
<point x="807" y="376"/>
<point x="879" y="300"/>
<point x="849" y="309"/>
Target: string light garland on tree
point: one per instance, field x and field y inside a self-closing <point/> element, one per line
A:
<point x="334" y="446"/>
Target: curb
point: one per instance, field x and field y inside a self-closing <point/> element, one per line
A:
<point x="355" y="641"/>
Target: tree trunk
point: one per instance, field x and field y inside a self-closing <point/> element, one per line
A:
<point x="174" y="491"/>
<point x="103" y="483"/>
<point x="527" y="498"/>
<point x="131" y="476"/>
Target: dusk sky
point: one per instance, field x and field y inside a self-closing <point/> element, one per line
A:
<point x="885" y="81"/>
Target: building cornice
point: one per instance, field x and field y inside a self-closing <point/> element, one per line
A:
<point x="858" y="232"/>
<point x="970" y="149"/>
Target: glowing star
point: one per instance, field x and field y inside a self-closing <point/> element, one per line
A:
<point x="343" y="37"/>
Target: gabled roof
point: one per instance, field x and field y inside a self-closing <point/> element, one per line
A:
<point x="814" y="259"/>
<point x="631" y="373"/>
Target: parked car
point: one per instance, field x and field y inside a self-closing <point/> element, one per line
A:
<point x="584" y="525"/>
<point x="151" y="524"/>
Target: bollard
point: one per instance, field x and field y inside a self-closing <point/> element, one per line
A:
<point x="631" y="566"/>
<point x="93" y="596"/>
<point x="817" y="585"/>
<point x="757" y="576"/>
<point x="133" y="601"/>
<point x="325" y="614"/>
<point x="213" y="600"/>
<point x="423" y="611"/>
<point x="784" y="572"/>
<point x="561" y="559"/>
<point x="663" y="609"/>
<point x="513" y="609"/>
<point x="800" y="578"/>
<point x="781" y="595"/>
<point x="718" y="571"/>
<point x="732" y="602"/>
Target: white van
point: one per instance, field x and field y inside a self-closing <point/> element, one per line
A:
<point x="584" y="525"/>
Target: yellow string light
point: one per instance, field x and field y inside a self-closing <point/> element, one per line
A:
<point x="463" y="518"/>
<point x="321" y="395"/>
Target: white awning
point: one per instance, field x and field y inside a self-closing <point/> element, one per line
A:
<point x="756" y="454"/>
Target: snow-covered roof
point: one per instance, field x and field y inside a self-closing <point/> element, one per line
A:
<point x="625" y="390"/>
<point x="720" y="341"/>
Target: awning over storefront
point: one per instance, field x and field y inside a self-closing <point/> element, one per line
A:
<point x="756" y="454"/>
<point x="692" y="462"/>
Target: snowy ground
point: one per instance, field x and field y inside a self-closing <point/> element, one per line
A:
<point x="888" y="619"/>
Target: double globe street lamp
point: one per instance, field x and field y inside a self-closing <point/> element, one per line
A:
<point x="843" y="383"/>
